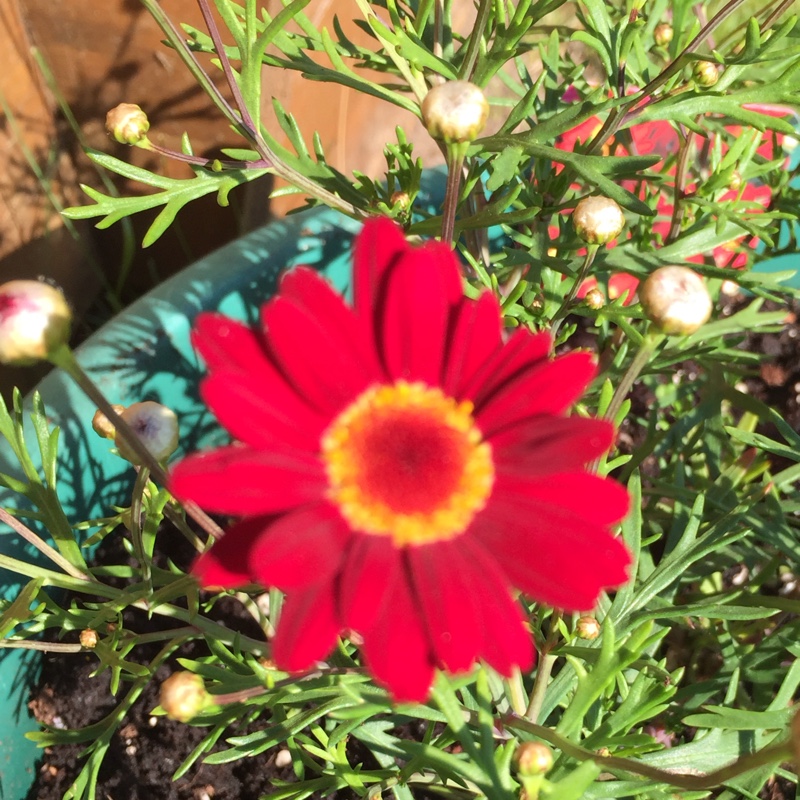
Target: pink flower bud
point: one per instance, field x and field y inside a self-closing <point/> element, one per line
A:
<point x="455" y="111"/>
<point x="34" y="320"/>
<point x="587" y="628"/>
<point x="533" y="758"/>
<point x="155" y="425"/>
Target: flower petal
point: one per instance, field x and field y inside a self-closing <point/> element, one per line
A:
<point x="396" y="647"/>
<point x="224" y="565"/>
<point x="372" y="567"/>
<point x="475" y="335"/>
<point x="261" y="409"/>
<point x="416" y="317"/>
<point x="545" y="445"/>
<point x="550" y="388"/>
<point x="300" y="548"/>
<point x="224" y="343"/>
<point x="240" y="480"/>
<point x="307" y="628"/>
<point x="550" y="554"/>
<point x="589" y="497"/>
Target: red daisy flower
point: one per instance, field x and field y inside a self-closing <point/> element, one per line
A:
<point x="399" y="467"/>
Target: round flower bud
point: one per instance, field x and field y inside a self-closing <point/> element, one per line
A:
<point x="455" y="111"/>
<point x="401" y="200"/>
<point x="101" y="424"/>
<point x="155" y="425"/>
<point x="533" y="758"/>
<point x="598" y="220"/>
<point x="88" y="639"/>
<point x="127" y="123"/>
<point x="594" y="298"/>
<point x="34" y="320"/>
<point x="735" y="182"/>
<point x="183" y="696"/>
<point x="587" y="628"/>
<point x="705" y="73"/>
<point x="663" y="34"/>
<point x="676" y="300"/>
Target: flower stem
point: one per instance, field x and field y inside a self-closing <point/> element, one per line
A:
<point x="142" y="478"/>
<point x="455" y="162"/>
<point x="64" y="358"/>
<point x="561" y="314"/>
<point x="545" y="670"/>
<point x="648" y="347"/>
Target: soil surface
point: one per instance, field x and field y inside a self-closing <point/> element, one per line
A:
<point x="146" y="750"/>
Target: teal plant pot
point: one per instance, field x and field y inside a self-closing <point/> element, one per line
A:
<point x="145" y="354"/>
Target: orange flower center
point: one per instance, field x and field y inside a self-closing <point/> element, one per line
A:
<point x="407" y="461"/>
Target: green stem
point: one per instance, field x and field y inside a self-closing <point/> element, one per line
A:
<point x="142" y="478"/>
<point x="648" y="347"/>
<point x="455" y="154"/>
<point x="545" y="670"/>
<point x="563" y="311"/>
<point x="475" y="39"/>
<point x="64" y="358"/>
<point x="515" y="691"/>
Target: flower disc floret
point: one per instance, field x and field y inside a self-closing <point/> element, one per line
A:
<point x="406" y="461"/>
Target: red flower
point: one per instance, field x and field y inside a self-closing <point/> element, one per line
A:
<point x="399" y="468"/>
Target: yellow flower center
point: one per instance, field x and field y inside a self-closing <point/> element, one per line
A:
<point x="407" y="461"/>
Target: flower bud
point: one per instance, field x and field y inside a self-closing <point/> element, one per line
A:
<point x="455" y="111"/>
<point x="735" y="182"/>
<point x="594" y="298"/>
<point x="34" y="320"/>
<point x="587" y="628"/>
<point x="102" y="425"/>
<point x="127" y="123"/>
<point x="183" y="696"/>
<point x="155" y="425"/>
<point x="705" y="73"/>
<point x="532" y="758"/>
<point x="676" y="300"/>
<point x="598" y="220"/>
<point x="663" y="33"/>
<point x="88" y="638"/>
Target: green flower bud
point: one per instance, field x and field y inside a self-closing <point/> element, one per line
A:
<point x="705" y="73"/>
<point x="598" y="220"/>
<point x="155" y="425"/>
<point x="663" y="34"/>
<point x="183" y="696"/>
<point x="532" y="758"/>
<point x="127" y="123"/>
<point x="676" y="300"/>
<point x="587" y="628"/>
<point x="34" y="321"/>
<point x="455" y="111"/>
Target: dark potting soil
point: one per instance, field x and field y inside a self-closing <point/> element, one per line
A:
<point x="145" y="751"/>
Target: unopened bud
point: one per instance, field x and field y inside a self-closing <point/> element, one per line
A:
<point x="88" y="638"/>
<point x="102" y="425"/>
<point x="155" y="425"/>
<point x="587" y="628"/>
<point x="183" y="696"/>
<point x="533" y="758"/>
<point x="705" y="73"/>
<point x="127" y="123"/>
<point x="663" y="34"/>
<point x="400" y="200"/>
<point x="594" y="298"/>
<point x="34" y="321"/>
<point x="455" y="111"/>
<point x="598" y="220"/>
<point x="735" y="182"/>
<point x="676" y="300"/>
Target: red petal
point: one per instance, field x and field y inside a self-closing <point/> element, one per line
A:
<point x="448" y="590"/>
<point x="307" y="629"/>
<point x="373" y="565"/>
<point x="416" y="316"/>
<point x="261" y="409"/>
<point x="396" y="647"/>
<point x="225" y="563"/>
<point x="377" y="248"/>
<point x="549" y="388"/>
<point x="224" y="343"/>
<point x="507" y="642"/>
<point x="242" y="481"/>
<point x="589" y="497"/>
<point x="449" y="269"/>
<point x="474" y="337"/>
<point x="300" y="548"/>
<point x="522" y="351"/>
<point x="551" y="555"/>
<point x="323" y="362"/>
<point x="544" y="445"/>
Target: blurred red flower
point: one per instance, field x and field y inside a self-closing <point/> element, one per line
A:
<point x="400" y="468"/>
